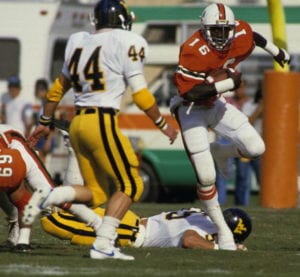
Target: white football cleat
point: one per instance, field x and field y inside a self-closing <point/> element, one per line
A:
<point x="111" y="253"/>
<point x="33" y="208"/>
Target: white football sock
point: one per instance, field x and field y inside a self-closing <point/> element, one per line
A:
<point x="24" y="237"/>
<point x="215" y="213"/>
<point x="106" y="234"/>
<point x="87" y="215"/>
<point x="59" y="195"/>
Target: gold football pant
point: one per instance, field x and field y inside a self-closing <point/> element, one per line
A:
<point x="66" y="226"/>
<point x="103" y="151"/>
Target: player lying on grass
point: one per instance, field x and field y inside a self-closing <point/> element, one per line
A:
<point x="186" y="228"/>
<point x="21" y="173"/>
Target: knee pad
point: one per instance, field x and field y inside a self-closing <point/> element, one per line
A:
<point x="250" y="143"/>
<point x="197" y="144"/>
<point x="204" y="167"/>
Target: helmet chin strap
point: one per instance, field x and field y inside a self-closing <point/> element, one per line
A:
<point x="123" y="21"/>
<point x="92" y="19"/>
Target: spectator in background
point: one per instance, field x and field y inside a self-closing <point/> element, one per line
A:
<point x="44" y="145"/>
<point x="5" y="97"/>
<point x="17" y="110"/>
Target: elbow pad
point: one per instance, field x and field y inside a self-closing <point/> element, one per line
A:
<point x="267" y="45"/>
<point x="259" y="40"/>
<point x="56" y="92"/>
<point x="144" y="99"/>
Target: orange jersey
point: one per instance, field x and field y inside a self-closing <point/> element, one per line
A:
<point x="12" y="169"/>
<point x="19" y="161"/>
<point x="197" y="58"/>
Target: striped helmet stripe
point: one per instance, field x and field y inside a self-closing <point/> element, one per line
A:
<point x="221" y="8"/>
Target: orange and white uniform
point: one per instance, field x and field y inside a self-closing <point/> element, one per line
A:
<point x="18" y="161"/>
<point x="196" y="59"/>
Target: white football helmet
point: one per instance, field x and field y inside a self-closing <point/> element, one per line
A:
<point x="218" y="26"/>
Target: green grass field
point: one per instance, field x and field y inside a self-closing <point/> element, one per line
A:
<point x="274" y="250"/>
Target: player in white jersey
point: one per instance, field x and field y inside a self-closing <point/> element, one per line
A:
<point x="184" y="228"/>
<point x="193" y="228"/>
<point x="98" y="67"/>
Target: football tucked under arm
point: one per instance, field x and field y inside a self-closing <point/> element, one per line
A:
<point x="217" y="81"/>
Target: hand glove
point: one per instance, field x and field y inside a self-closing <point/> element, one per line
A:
<point x="236" y="76"/>
<point x="282" y="58"/>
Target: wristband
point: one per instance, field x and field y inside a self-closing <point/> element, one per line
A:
<point x="45" y="120"/>
<point x="164" y="127"/>
<point x="272" y="48"/>
<point x="225" y="85"/>
<point x="161" y="123"/>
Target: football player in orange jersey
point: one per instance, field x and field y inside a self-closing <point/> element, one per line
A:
<point x="21" y="173"/>
<point x="221" y="43"/>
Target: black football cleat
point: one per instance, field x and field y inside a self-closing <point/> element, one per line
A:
<point x="22" y="247"/>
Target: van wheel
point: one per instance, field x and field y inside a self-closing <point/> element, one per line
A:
<point x="151" y="183"/>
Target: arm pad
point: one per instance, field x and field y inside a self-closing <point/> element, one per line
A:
<point x="144" y="99"/>
<point x="56" y="92"/>
<point x="204" y="91"/>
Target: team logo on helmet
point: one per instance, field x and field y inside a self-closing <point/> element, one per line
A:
<point x="239" y="223"/>
<point x="240" y="227"/>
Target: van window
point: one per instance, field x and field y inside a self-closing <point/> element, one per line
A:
<point x="58" y="57"/>
<point x="9" y="57"/>
<point x="192" y="28"/>
<point x="160" y="34"/>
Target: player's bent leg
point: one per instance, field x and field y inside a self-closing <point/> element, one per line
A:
<point x="67" y="194"/>
<point x="87" y="215"/>
<point x="65" y="226"/>
<point x="246" y="141"/>
<point x="207" y="192"/>
<point x="11" y="214"/>
<point x="249" y="142"/>
<point x="33" y="208"/>
<point x="209" y="195"/>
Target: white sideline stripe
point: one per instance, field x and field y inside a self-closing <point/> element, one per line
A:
<point x="19" y="269"/>
<point x="43" y="270"/>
